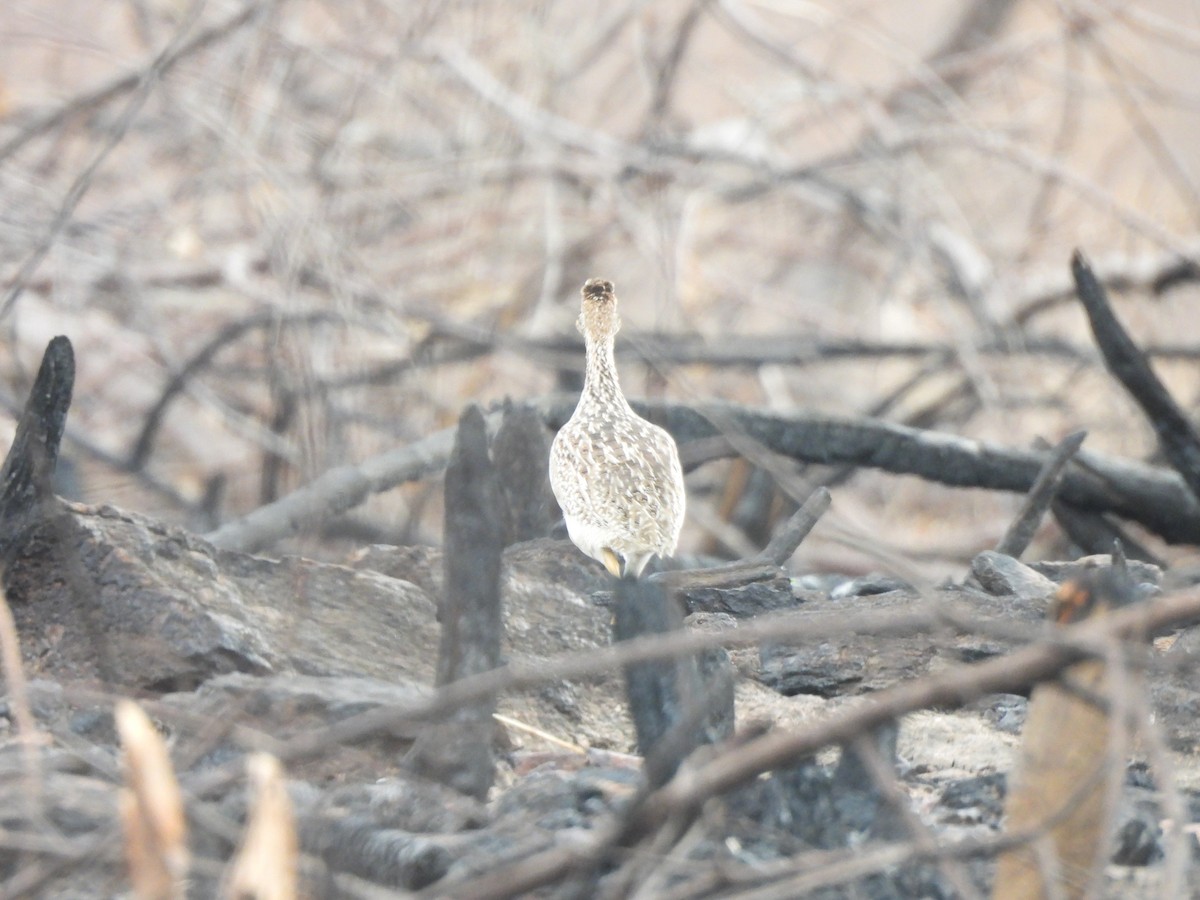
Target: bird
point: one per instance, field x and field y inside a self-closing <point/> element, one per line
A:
<point x="616" y="476"/>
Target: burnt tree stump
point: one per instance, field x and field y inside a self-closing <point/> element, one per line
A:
<point x="458" y="751"/>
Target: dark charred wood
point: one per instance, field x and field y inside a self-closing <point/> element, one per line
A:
<point x="789" y="537"/>
<point x="521" y="455"/>
<point x="458" y="752"/>
<point x="1100" y="483"/>
<point x="673" y="708"/>
<point x="27" y="475"/>
<point x="1176" y="433"/>
<point x="743" y="601"/>
<point x="1094" y="533"/>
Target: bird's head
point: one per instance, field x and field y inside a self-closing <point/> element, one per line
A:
<point x="598" y="320"/>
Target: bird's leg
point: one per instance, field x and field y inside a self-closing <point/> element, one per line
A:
<point x="612" y="562"/>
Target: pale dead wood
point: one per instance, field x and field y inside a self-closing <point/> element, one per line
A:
<point x="151" y="809"/>
<point x="266" y="866"/>
<point x="18" y="696"/>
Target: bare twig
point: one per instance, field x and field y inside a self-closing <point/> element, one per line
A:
<point x="144" y="82"/>
<point x="151" y="809"/>
<point x="175" y="53"/>
<point x="1020" y="531"/>
<point x="952" y="688"/>
<point x="18" y="696"/>
<point x="947" y="689"/>
<point x="203" y="357"/>
<point x="334" y="492"/>
<point x="1068" y="757"/>
<point x="785" y="541"/>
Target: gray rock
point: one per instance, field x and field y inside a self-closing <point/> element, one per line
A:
<point x="123" y="599"/>
<point x="1000" y="575"/>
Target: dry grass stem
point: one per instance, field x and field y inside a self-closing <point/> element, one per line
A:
<point x="152" y="812"/>
<point x="266" y="866"/>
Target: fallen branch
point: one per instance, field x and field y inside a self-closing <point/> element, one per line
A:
<point x="1149" y="495"/>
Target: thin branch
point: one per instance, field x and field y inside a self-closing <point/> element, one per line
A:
<point x="948" y="689"/>
<point x="1020" y="531"/>
<point x="122" y="84"/>
<point x="227" y="335"/>
<point x="144" y="82"/>
<point x="334" y="492"/>
<point x="743" y="761"/>
<point x="788" y="538"/>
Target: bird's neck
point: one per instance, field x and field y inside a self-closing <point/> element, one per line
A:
<point x="600" y="384"/>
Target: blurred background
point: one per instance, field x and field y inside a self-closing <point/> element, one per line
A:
<point x="287" y="236"/>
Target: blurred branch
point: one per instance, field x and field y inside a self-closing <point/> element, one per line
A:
<point x="334" y="492"/>
<point x="997" y="145"/>
<point x="176" y="51"/>
<point x="948" y="689"/>
<point x="533" y="120"/>
<point x="1155" y="272"/>
<point x="668" y="72"/>
<point x="144" y="83"/>
<point x="142" y="446"/>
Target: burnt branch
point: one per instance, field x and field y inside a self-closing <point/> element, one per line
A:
<point x="334" y="492"/>
<point x="521" y="454"/>
<point x="789" y="537"/>
<point x="1139" y="492"/>
<point x="740" y="762"/>
<point x="949" y="689"/>
<point x="1020" y="532"/>
<point x="1094" y="532"/>
<point x="1176" y="433"/>
<point x="672" y="709"/>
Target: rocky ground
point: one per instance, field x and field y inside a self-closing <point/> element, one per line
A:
<point x="230" y="652"/>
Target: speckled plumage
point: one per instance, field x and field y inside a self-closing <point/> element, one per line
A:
<point x="616" y="476"/>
